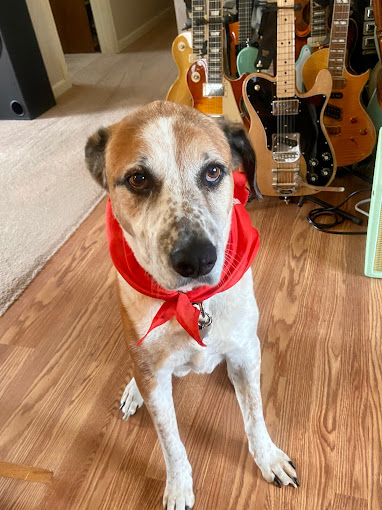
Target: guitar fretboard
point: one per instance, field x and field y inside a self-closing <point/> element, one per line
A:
<point x="245" y="14"/>
<point x="198" y="26"/>
<point x="286" y="79"/>
<point x="318" y="29"/>
<point x="215" y="53"/>
<point x="338" y="38"/>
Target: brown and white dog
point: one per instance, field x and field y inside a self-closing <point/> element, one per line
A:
<point x="168" y="170"/>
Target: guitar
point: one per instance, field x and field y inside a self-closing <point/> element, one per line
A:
<point x="294" y="154"/>
<point x="362" y="54"/>
<point x="212" y="92"/>
<point x="318" y="35"/>
<point x="247" y="54"/>
<point x="374" y="108"/>
<point x="351" y="130"/>
<point x="302" y="16"/>
<point x="186" y="48"/>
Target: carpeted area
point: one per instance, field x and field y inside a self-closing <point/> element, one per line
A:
<point x="46" y="191"/>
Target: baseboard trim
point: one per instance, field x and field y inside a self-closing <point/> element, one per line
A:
<point x="143" y="29"/>
<point x="60" y="87"/>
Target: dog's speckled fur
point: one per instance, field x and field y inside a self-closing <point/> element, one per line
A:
<point x="173" y="142"/>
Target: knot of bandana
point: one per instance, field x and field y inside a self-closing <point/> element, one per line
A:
<point x="243" y="245"/>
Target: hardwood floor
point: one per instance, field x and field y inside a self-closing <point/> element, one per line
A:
<point x="63" y="370"/>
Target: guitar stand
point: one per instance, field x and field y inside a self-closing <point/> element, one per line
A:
<point x="326" y="205"/>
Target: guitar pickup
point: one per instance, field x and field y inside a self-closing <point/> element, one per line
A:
<point x="333" y="112"/>
<point x="213" y="90"/>
<point x="333" y="130"/>
<point x="285" y="107"/>
<point x="286" y="147"/>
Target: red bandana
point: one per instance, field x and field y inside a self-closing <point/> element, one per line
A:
<point x="243" y="244"/>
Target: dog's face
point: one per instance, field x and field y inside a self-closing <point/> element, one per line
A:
<point x="168" y="170"/>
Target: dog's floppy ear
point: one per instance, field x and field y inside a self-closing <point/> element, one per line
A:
<point x="242" y="153"/>
<point x="95" y="156"/>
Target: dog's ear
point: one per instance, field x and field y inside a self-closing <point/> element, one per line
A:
<point x="95" y="156"/>
<point x="242" y="153"/>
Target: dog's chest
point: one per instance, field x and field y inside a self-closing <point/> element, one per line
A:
<point x="234" y="317"/>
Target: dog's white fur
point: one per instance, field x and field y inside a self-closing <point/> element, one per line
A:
<point x="175" y="157"/>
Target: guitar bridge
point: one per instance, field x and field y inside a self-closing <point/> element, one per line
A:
<point x="286" y="147"/>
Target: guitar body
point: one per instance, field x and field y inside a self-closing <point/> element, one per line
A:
<point x="316" y="164"/>
<point x="246" y="60"/>
<point x="181" y="51"/>
<point x="227" y="106"/>
<point x="352" y="133"/>
<point x="234" y="41"/>
<point x="303" y="57"/>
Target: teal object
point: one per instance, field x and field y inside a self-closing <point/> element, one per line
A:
<point x="373" y="255"/>
<point x="246" y="59"/>
<point x="373" y="108"/>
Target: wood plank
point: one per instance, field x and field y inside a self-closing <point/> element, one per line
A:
<point x="27" y="473"/>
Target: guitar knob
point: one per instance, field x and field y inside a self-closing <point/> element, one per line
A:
<point x="325" y="172"/>
<point x="313" y="162"/>
<point x="195" y="77"/>
<point x="313" y="177"/>
<point x="326" y="156"/>
<point x="181" y="46"/>
<point x="257" y="87"/>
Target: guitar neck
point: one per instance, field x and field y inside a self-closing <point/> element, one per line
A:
<point x="318" y="26"/>
<point x="286" y="78"/>
<point x="215" y="48"/>
<point x="245" y="14"/>
<point x="338" y="38"/>
<point x="198" y="26"/>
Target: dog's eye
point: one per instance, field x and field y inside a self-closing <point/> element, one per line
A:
<point x="138" y="181"/>
<point x="213" y="174"/>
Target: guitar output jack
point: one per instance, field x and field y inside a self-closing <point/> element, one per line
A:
<point x="181" y="46"/>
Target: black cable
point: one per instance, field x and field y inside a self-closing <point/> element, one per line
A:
<point x="337" y="219"/>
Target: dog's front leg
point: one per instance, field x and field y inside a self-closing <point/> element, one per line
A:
<point x="244" y="372"/>
<point x="178" y="493"/>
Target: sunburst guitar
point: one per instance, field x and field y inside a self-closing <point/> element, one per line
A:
<point x="181" y="52"/>
<point x="351" y="130"/>
<point x="294" y="154"/>
<point x="212" y="92"/>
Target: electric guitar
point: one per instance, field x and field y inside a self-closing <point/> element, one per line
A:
<point x="247" y="54"/>
<point x="318" y="36"/>
<point x="212" y="92"/>
<point x="351" y="130"/>
<point x="294" y="154"/>
<point x="186" y="48"/>
<point x="374" y="108"/>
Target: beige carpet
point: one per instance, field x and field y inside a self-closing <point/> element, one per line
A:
<point x="46" y="191"/>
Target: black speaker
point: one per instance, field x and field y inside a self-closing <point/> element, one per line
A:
<point x="25" y="91"/>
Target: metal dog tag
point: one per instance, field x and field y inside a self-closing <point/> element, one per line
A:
<point x="204" y="322"/>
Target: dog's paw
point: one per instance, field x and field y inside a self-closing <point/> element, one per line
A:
<point x="179" y="494"/>
<point x="131" y="400"/>
<point x="276" y="467"/>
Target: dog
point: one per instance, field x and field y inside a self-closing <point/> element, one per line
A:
<point x="168" y="170"/>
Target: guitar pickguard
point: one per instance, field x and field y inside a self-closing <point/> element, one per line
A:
<point x="301" y="130"/>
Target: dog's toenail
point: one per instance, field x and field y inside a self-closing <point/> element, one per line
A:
<point x="277" y="481"/>
<point x="296" y="481"/>
<point x="291" y="463"/>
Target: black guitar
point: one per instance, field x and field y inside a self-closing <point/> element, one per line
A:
<point x="294" y="153"/>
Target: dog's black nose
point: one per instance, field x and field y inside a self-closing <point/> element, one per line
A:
<point x="196" y="258"/>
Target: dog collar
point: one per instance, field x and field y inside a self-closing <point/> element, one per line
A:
<point x="243" y="242"/>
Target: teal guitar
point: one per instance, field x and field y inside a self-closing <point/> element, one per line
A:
<point x="247" y="55"/>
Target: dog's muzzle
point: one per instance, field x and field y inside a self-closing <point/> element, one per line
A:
<point x="194" y="259"/>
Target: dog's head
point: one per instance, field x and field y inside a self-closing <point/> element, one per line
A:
<point x="168" y="169"/>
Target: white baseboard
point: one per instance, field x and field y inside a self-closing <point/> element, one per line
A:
<point x="143" y="29"/>
<point x="60" y="87"/>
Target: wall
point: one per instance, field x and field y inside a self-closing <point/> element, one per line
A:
<point x="133" y="18"/>
<point x="50" y="46"/>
